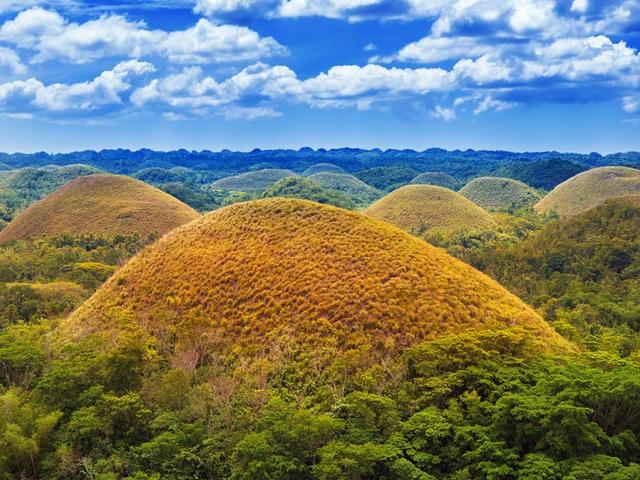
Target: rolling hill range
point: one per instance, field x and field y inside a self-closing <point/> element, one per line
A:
<point x="307" y="189"/>
<point x="361" y="193"/>
<point x="499" y="193"/>
<point x="439" y="179"/>
<point x="421" y="208"/>
<point x="265" y="275"/>
<point x="256" y="180"/>
<point x="101" y="204"/>
<point x="590" y="189"/>
<point x="322" y="168"/>
<point x="544" y="174"/>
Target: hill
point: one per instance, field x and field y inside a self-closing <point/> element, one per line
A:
<point x="252" y="275"/>
<point x="307" y="189"/>
<point x="439" y="179"/>
<point x="20" y="188"/>
<point x="544" y="174"/>
<point x="321" y="168"/>
<point x="387" y="177"/>
<point x="102" y="205"/>
<point x="421" y="208"/>
<point x="499" y="193"/>
<point x="361" y="193"/>
<point x="590" y="189"/>
<point x="256" y="180"/>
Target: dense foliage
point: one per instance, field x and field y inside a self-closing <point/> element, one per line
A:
<point x="307" y="189"/>
<point x="49" y="277"/>
<point x="500" y="193"/>
<point x="544" y="174"/>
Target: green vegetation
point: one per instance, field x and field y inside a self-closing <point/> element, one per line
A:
<point x="580" y="273"/>
<point x="358" y="191"/>
<point x="306" y="189"/>
<point x="590" y="189"/>
<point x="387" y="178"/>
<point x="255" y="180"/>
<point x="439" y="179"/>
<point x="101" y="205"/>
<point x="50" y="277"/>
<point x="20" y="188"/>
<point x="500" y="193"/>
<point x="543" y="174"/>
<point x="322" y="168"/>
<point x="419" y="209"/>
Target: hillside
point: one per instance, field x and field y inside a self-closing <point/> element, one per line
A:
<point x="307" y="189"/>
<point x="354" y="188"/>
<point x="102" y="205"/>
<point x="439" y="179"/>
<point x="580" y="271"/>
<point x="387" y="177"/>
<point x="256" y="180"/>
<point x="421" y="208"/>
<point x="20" y="188"/>
<point x="590" y="189"/>
<point x="250" y="275"/>
<point x="322" y="168"/>
<point x="499" y="193"/>
<point x="544" y="174"/>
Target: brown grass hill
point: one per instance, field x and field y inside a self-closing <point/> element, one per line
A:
<point x="437" y="178"/>
<point x="590" y="189"/>
<point x="500" y="193"/>
<point x="256" y="180"/>
<point x="322" y="168"/>
<point x="283" y="279"/>
<point x="423" y="208"/>
<point x="102" y="205"/>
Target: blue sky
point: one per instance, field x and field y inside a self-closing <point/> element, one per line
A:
<point x="212" y="74"/>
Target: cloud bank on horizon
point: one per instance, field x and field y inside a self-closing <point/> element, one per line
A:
<point x="87" y="61"/>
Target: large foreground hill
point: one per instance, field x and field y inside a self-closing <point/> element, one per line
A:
<point x="278" y="273"/>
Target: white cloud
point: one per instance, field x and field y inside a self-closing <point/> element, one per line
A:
<point x="490" y="103"/>
<point x="443" y="113"/>
<point x="631" y="104"/>
<point x="104" y="90"/>
<point x="438" y="49"/>
<point x="10" y="61"/>
<point x="51" y="36"/>
<point x="210" y="43"/>
<point x="486" y="69"/>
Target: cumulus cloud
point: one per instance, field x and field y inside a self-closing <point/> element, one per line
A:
<point x="104" y="90"/>
<point x="444" y="113"/>
<point x="438" y="49"/>
<point x="51" y="36"/>
<point x="10" y="61"/>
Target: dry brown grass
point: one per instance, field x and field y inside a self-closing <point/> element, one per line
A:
<point x="590" y="189"/>
<point x="102" y="205"/>
<point x="421" y="208"/>
<point x="257" y="274"/>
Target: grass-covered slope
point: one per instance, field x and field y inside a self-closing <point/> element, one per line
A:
<point x="307" y="189"/>
<point x="20" y="188"/>
<point x="385" y="178"/>
<point x="590" y="189"/>
<point x="421" y="208"/>
<point x="256" y="180"/>
<point x="321" y="168"/>
<point x="437" y="178"/>
<point x="545" y="174"/>
<point x="102" y="205"/>
<point x="361" y="193"/>
<point x="279" y="273"/>
<point x="500" y="193"/>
